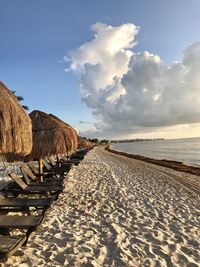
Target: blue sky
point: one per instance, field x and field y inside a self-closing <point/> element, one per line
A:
<point x="37" y="34"/>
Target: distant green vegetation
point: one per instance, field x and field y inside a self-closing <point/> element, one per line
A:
<point x="134" y="140"/>
<point x="97" y="141"/>
<point x="20" y="98"/>
<point x="106" y="141"/>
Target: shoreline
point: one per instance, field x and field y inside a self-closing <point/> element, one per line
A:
<point x="175" y="165"/>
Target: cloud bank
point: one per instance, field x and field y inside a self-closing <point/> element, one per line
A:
<point x="133" y="92"/>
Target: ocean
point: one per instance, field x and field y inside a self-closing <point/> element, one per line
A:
<point x="186" y="150"/>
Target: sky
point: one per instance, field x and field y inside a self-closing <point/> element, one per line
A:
<point x="111" y="68"/>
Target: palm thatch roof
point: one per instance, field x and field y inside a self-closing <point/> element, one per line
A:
<point x="72" y="135"/>
<point x="84" y="143"/>
<point x="15" y="125"/>
<point x="51" y="136"/>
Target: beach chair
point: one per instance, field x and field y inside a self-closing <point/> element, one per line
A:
<point x="70" y="160"/>
<point x="52" y="161"/>
<point x="24" y="223"/>
<point x="53" y="168"/>
<point x="24" y="204"/>
<point x="22" y="188"/>
<point x="9" y="245"/>
<point x="20" y="222"/>
<point x="79" y="154"/>
<point x="46" y="175"/>
<point x="64" y="162"/>
<point x="31" y="179"/>
<point x="33" y="168"/>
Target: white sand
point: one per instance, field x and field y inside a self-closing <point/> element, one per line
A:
<point x="118" y="212"/>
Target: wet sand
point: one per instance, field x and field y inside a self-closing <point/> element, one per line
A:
<point x="117" y="211"/>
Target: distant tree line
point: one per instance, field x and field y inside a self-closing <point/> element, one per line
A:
<point x="97" y="141"/>
<point x="134" y="140"/>
<point x="106" y="141"/>
<point x="20" y="98"/>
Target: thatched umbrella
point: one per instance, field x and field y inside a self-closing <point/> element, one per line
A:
<point x="73" y="137"/>
<point x="15" y="125"/>
<point x="51" y="136"/>
<point x="84" y="143"/>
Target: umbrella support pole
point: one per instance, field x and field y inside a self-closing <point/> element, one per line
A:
<point x="40" y="164"/>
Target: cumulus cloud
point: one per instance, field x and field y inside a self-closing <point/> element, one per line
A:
<point x="134" y="92"/>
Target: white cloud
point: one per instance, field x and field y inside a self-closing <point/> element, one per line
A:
<point x="105" y="57"/>
<point x="131" y="92"/>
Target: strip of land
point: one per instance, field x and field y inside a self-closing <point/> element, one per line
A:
<point x="118" y="211"/>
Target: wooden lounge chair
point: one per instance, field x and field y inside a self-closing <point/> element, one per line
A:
<point x="37" y="188"/>
<point x="79" y="154"/>
<point x="28" y="223"/>
<point x="46" y="174"/>
<point x="68" y="160"/>
<point x="64" y="163"/>
<point x="31" y="179"/>
<point x="24" y="204"/>
<point x="34" y="169"/>
<point x="20" y="222"/>
<point x="22" y="188"/>
<point x="51" y="168"/>
<point x="52" y="161"/>
<point x="9" y="245"/>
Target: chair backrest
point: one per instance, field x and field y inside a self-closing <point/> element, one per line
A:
<point x="33" y="168"/>
<point x="18" y="180"/>
<point x="27" y="173"/>
<point x="65" y="157"/>
<point x="46" y="164"/>
<point x="52" y="161"/>
<point x="2" y="195"/>
<point x="25" y="176"/>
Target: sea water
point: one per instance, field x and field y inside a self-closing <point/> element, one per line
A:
<point x="186" y="150"/>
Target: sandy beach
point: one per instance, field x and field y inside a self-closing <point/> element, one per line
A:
<point x="116" y="212"/>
